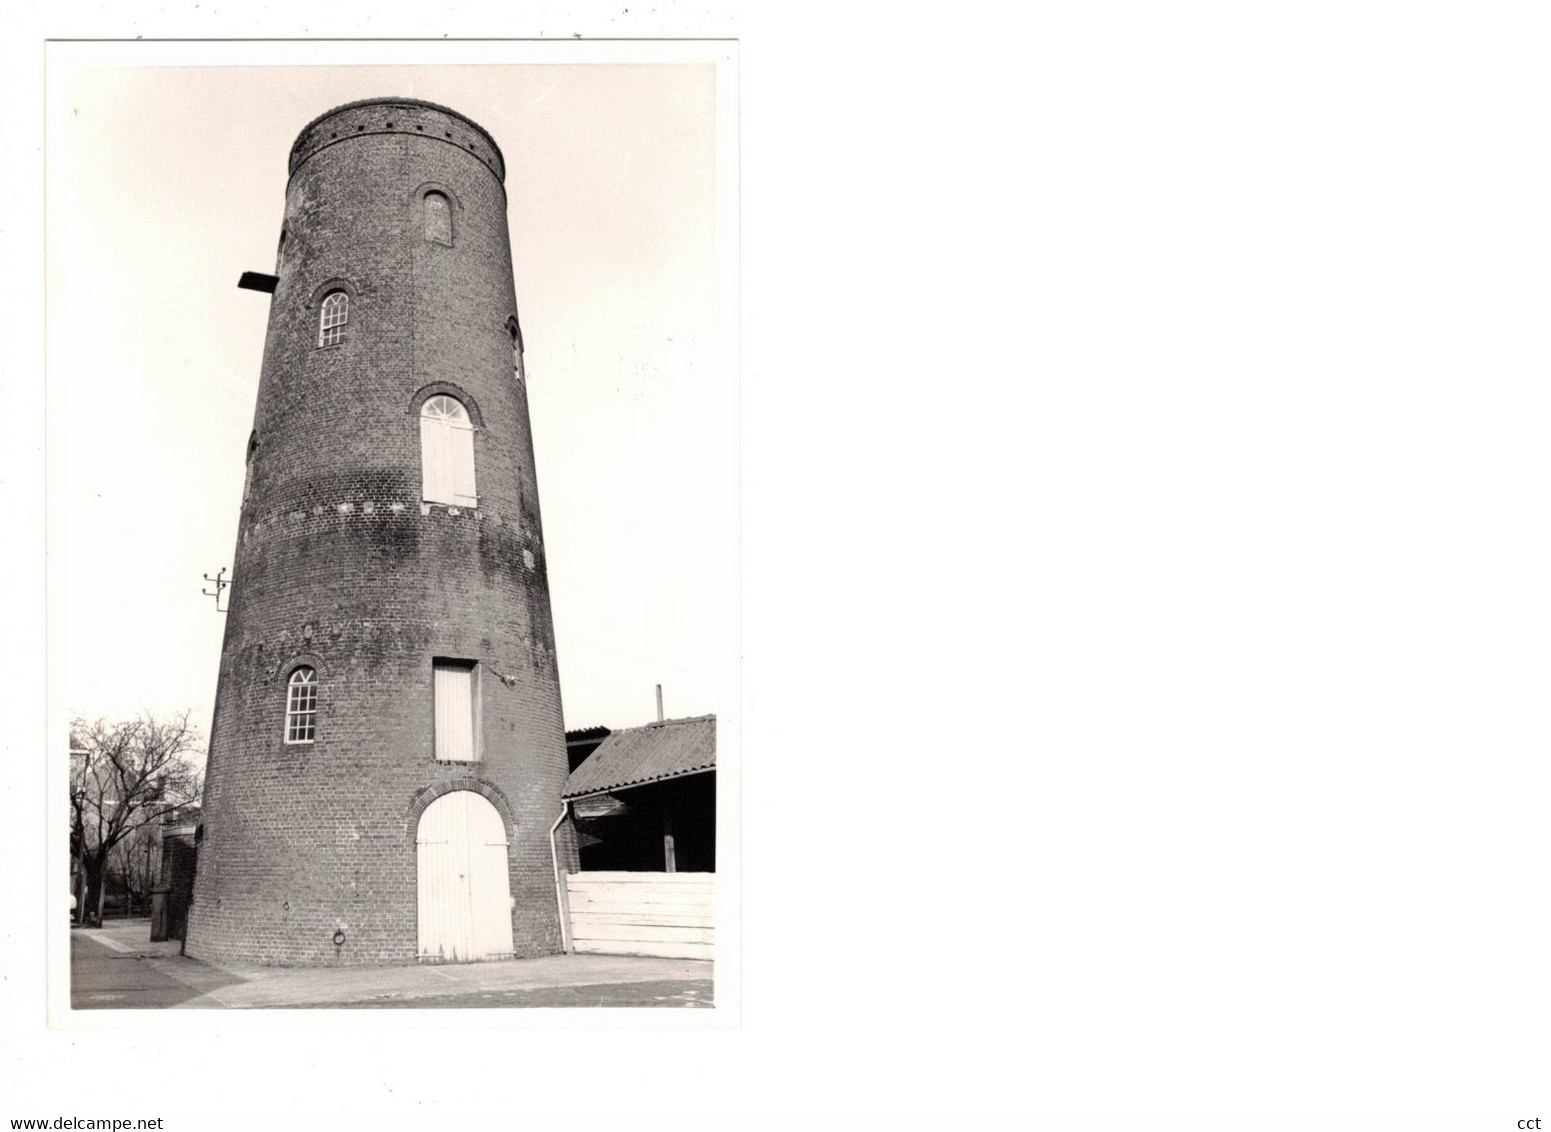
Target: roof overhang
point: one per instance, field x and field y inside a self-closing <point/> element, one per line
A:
<point x="634" y="785"/>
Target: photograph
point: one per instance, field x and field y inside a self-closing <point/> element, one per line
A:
<point x="717" y="566"/>
<point x="393" y="543"/>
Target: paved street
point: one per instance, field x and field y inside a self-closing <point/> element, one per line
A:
<point x="118" y="968"/>
<point x="103" y="978"/>
<point x="694" y="993"/>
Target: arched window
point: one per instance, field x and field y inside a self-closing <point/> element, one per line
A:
<point x="247" y="475"/>
<point x="516" y="352"/>
<point x="331" y="324"/>
<point x="280" y="253"/>
<point x="447" y="452"/>
<point x="301" y="706"/>
<point x="438" y="219"/>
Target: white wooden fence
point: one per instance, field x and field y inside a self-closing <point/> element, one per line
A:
<point x="667" y="914"/>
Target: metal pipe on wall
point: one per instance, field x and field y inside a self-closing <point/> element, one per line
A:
<point x="554" y="860"/>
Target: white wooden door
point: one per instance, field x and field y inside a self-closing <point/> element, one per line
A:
<point x="465" y="898"/>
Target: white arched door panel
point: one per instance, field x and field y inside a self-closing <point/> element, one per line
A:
<point x="463" y="883"/>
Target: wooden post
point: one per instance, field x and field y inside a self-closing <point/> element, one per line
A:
<point x="671" y="865"/>
<point x="564" y="888"/>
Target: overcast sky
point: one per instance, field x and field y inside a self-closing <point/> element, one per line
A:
<point x="164" y="184"/>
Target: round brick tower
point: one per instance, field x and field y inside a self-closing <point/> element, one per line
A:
<point x="387" y="752"/>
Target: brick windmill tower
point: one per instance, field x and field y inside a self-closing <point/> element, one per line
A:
<point x="387" y="752"/>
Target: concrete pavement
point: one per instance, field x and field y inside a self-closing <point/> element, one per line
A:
<point x="102" y="977"/>
<point x="117" y="967"/>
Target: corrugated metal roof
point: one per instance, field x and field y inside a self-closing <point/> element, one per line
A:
<point x="638" y="755"/>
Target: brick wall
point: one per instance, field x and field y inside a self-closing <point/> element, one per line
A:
<point x="340" y="565"/>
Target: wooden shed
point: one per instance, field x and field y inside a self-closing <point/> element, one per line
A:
<point x="644" y="806"/>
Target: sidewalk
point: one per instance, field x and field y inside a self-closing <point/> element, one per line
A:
<point x="553" y="980"/>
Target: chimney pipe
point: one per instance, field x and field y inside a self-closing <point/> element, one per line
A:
<point x="659" y="703"/>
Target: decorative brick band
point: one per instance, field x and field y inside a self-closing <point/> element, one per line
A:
<point x="409" y="116"/>
<point x="288" y="521"/>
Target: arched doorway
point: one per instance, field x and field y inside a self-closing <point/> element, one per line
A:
<point x="464" y="893"/>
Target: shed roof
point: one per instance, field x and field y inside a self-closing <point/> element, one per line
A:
<point x="654" y="753"/>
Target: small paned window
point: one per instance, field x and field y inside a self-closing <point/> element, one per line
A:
<point x="447" y="453"/>
<point x="438" y="219"/>
<point x="331" y="324"/>
<point x="301" y="706"/>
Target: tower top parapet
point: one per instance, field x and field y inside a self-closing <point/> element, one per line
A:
<point x="411" y="116"/>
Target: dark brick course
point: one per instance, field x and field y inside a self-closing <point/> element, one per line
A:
<point x="338" y="561"/>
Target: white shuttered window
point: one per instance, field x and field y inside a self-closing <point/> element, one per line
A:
<point x="447" y="453"/>
<point x="456" y="700"/>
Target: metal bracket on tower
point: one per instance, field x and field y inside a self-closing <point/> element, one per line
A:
<point x="509" y="681"/>
<point x="222" y="584"/>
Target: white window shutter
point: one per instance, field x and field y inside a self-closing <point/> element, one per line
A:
<point x="454" y="691"/>
<point x="447" y="453"/>
<point x="433" y="461"/>
<point x="460" y="440"/>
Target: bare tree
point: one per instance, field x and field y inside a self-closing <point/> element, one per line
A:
<point x="125" y="777"/>
<point x="131" y="865"/>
